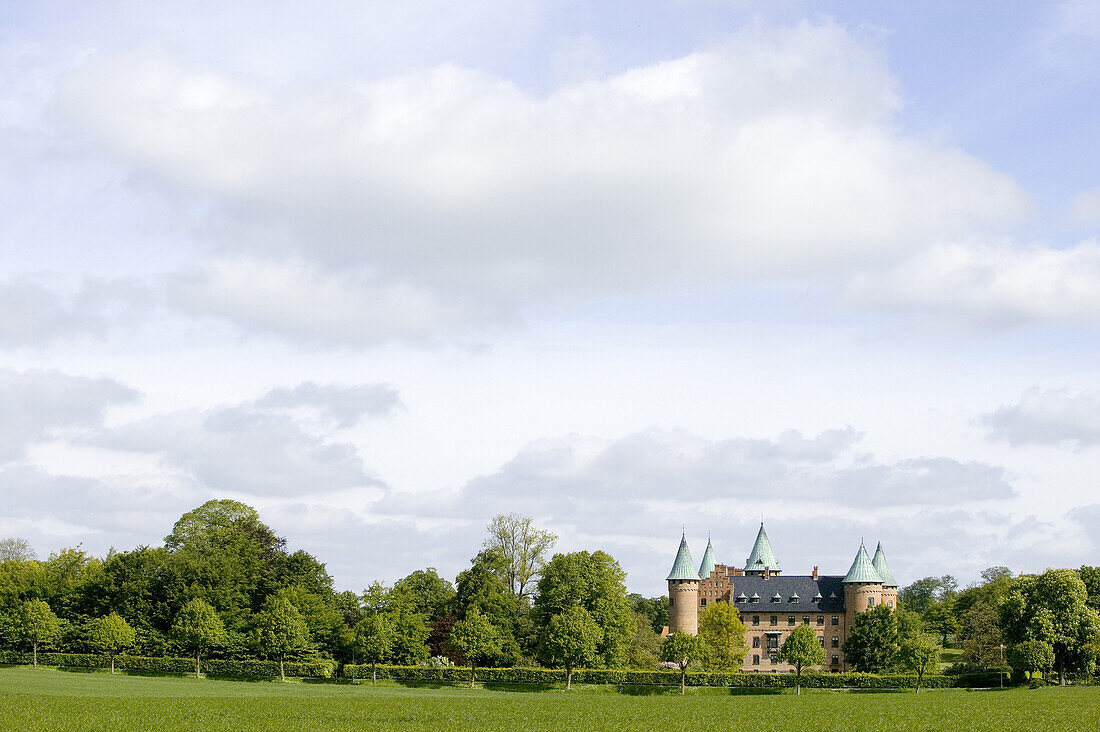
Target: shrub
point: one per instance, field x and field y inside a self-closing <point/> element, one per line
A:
<point x="310" y="668"/>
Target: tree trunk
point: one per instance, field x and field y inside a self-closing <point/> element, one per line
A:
<point x="112" y="664"/>
<point x="196" y="665"/>
<point x="473" y="672"/>
<point x="683" y="678"/>
<point x="798" y="679"/>
<point x="34" y="653"/>
<point x="374" y="673"/>
<point x="919" y="675"/>
<point x="568" y="677"/>
<point x="1062" y="673"/>
<point x="282" y="674"/>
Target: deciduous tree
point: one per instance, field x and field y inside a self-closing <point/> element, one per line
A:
<point x="476" y="639"/>
<point x="872" y="643"/>
<point x="374" y="639"/>
<point x="1030" y="656"/>
<point x="802" y="648"/>
<point x="570" y="640"/>
<point x="197" y="628"/>
<point x="524" y="549"/>
<point x="110" y="635"/>
<point x="682" y="649"/>
<point x="723" y="636"/>
<point x="280" y="630"/>
<point x="37" y="625"/>
<point x="919" y="654"/>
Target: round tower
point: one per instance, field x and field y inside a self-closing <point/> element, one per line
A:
<point x="889" y="584"/>
<point x="862" y="587"/>
<point x="683" y="592"/>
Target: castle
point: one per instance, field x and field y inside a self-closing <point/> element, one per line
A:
<point x="772" y="604"/>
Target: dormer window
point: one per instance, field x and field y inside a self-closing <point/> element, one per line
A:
<point x="817" y="597"/>
<point x="741" y="597"/>
<point x="794" y="597"/>
<point x="777" y="597"/>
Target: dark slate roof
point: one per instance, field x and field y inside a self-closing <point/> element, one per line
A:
<point x="805" y="587"/>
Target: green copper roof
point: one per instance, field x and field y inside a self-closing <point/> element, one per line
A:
<point x="862" y="570"/>
<point x="883" y="569"/>
<point x="762" y="555"/>
<point x="708" y="561"/>
<point x="684" y="566"/>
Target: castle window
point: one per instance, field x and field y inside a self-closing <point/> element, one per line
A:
<point x="836" y="660"/>
<point x="821" y="640"/>
<point x="870" y="602"/>
<point x="775" y="620"/>
<point x="756" y="659"/>
<point x="891" y="604"/>
<point x="671" y="601"/>
<point x="791" y="620"/>
<point x="775" y="659"/>
<point x="756" y="620"/>
<point x="821" y="620"/>
<point x="805" y="619"/>
<point x="703" y="602"/>
<point x="836" y="620"/>
<point x="836" y="642"/>
<point x="756" y="641"/>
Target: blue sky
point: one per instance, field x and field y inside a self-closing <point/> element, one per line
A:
<point x="384" y="272"/>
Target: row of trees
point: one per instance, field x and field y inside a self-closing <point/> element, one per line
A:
<point x="1037" y="623"/>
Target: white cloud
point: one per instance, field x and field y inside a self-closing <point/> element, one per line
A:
<point x="257" y="448"/>
<point x="419" y="203"/>
<point x="33" y="314"/>
<point x="36" y="406"/>
<point x="989" y="283"/>
<point x="1085" y="208"/>
<point x="1047" y="418"/>
<point x="344" y="404"/>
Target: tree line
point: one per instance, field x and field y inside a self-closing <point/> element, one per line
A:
<point x="225" y="586"/>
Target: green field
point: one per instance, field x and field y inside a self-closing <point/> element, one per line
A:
<point x="64" y="700"/>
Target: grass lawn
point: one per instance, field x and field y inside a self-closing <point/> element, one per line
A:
<point x="64" y="700"/>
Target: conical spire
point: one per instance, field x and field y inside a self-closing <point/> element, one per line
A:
<point x="708" y="561"/>
<point x="862" y="570"/>
<point x="761" y="556"/>
<point x="684" y="566"/>
<point x="883" y="569"/>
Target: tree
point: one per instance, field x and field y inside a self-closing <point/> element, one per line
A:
<point x="426" y="593"/>
<point x="410" y="637"/>
<point x="481" y="587"/>
<point x="37" y="625"/>
<point x="802" y="648"/>
<point x="722" y="635"/>
<point x="940" y="617"/>
<point x="920" y="595"/>
<point x="524" y="550"/>
<point x="1052" y="607"/>
<point x="995" y="574"/>
<point x="645" y="647"/>
<point x="681" y="648"/>
<point x="597" y="583"/>
<point x="1091" y="577"/>
<point x="197" y="628"/>
<point x="981" y="635"/>
<point x="1030" y="656"/>
<point x="281" y="631"/>
<point x="654" y="608"/>
<point x="476" y="639"/>
<point x="15" y="550"/>
<point x="919" y="654"/>
<point x="872" y="643"/>
<point x="570" y="640"/>
<point x="374" y="639"/>
<point x="110" y="635"/>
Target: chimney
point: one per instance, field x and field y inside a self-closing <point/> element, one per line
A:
<point x="815" y="571"/>
<point x="767" y="572"/>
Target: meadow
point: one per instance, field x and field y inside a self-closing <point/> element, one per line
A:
<point x="52" y="699"/>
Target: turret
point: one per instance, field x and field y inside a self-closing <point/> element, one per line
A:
<point x="889" y="584"/>
<point x="683" y="592"/>
<point x="862" y="586"/>
<point x="761" y="557"/>
<point x="709" y="562"/>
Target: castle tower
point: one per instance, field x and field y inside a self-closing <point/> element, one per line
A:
<point x="709" y="562"/>
<point x="862" y="587"/>
<point x="761" y="557"/>
<point x="889" y="584"/>
<point x="683" y="592"/>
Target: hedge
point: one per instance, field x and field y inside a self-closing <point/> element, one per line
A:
<point x="313" y="668"/>
<point x="623" y="677"/>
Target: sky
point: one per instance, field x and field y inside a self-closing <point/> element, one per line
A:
<point x="386" y="270"/>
